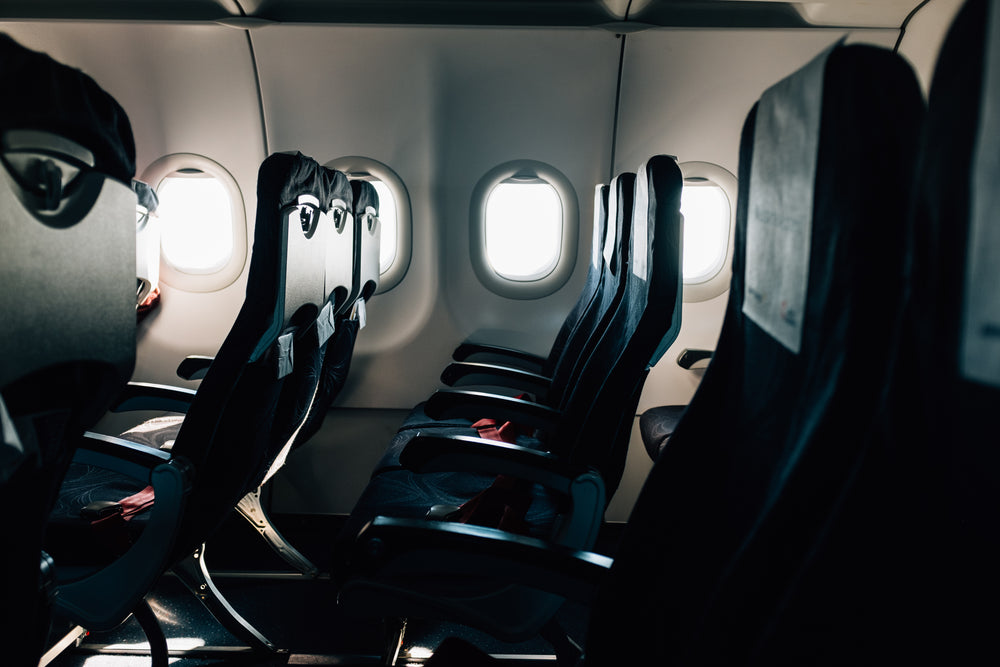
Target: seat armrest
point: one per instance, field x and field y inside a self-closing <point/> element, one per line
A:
<point x="194" y="367"/>
<point x="104" y="599"/>
<point x="469" y="372"/>
<point x="427" y="453"/>
<point x="122" y="456"/>
<point x="526" y="360"/>
<point x="450" y="403"/>
<point x="688" y="358"/>
<point x="416" y="546"/>
<point x="148" y="396"/>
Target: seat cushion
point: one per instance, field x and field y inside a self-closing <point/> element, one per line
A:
<point x="656" y="425"/>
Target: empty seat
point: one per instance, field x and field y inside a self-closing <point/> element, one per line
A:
<point x="67" y="218"/>
<point x="562" y="497"/>
<point x="253" y="398"/>
<point x="762" y="533"/>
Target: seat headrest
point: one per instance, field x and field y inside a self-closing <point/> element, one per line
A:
<point x="981" y="327"/>
<point x="780" y="202"/>
<point x="365" y="197"/>
<point x="66" y="102"/>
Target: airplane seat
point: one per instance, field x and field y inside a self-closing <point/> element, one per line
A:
<point x="761" y="533"/>
<point x="948" y="381"/>
<point x="564" y="340"/>
<point x="244" y="414"/>
<point x="765" y="530"/>
<point x="361" y="280"/>
<point x="547" y="380"/>
<point x="563" y="497"/>
<point x="456" y="412"/>
<point x="67" y="335"/>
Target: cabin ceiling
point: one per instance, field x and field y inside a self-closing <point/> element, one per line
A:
<point x="571" y="13"/>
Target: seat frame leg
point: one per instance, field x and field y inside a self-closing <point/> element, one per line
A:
<point x="146" y="618"/>
<point x="251" y="509"/>
<point x="194" y="574"/>
<point x="395" y="632"/>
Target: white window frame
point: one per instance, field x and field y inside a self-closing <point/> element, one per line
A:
<point x="565" y="262"/>
<point x="356" y="166"/>
<point x="716" y="284"/>
<point x="227" y="274"/>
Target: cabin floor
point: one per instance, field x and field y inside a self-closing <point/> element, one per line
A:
<point x="298" y="614"/>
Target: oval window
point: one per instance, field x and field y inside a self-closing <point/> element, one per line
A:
<point x="202" y="221"/>
<point x="523" y="229"/>
<point x="196" y="218"/>
<point x="707" y="204"/>
<point x="523" y="236"/>
<point x="705" y="208"/>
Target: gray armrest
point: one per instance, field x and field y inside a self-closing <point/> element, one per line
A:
<point x="122" y="456"/>
<point x="416" y="546"/>
<point x="528" y="361"/>
<point x="427" y="452"/>
<point x="467" y="372"/>
<point x="148" y="396"/>
<point x="104" y="599"/>
<point x="194" y="367"/>
<point x="450" y="403"/>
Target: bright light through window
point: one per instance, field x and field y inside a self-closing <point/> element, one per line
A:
<point x="523" y="230"/>
<point x="706" y="230"/>
<point x="387" y="218"/>
<point x="196" y="220"/>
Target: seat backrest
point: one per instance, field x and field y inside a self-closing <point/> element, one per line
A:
<point x="610" y="289"/>
<point x="367" y="238"/>
<point x="261" y="383"/>
<point x="948" y="375"/>
<point x="581" y="312"/>
<point x="342" y="273"/>
<point x="67" y="294"/>
<point x="752" y="538"/>
<point x="600" y="408"/>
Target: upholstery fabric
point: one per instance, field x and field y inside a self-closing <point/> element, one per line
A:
<point x="758" y="535"/>
<point x="67" y="102"/>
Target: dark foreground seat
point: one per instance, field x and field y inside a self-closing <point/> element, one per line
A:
<point x="254" y="397"/>
<point x="948" y="383"/>
<point x="760" y="536"/>
<point x="67" y="219"/>
<point x="563" y="497"/>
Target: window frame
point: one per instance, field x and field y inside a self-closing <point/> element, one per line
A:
<point x="357" y="166"/>
<point x="710" y="287"/>
<point x="227" y="274"/>
<point x="568" y="246"/>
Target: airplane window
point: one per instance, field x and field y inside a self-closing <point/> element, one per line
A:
<point x="523" y="229"/>
<point x="202" y="220"/>
<point x="705" y="208"/>
<point x="196" y="221"/>
<point x="708" y="206"/>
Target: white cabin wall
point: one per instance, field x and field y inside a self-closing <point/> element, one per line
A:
<point x="179" y="84"/>
<point x="924" y="36"/>
<point x="441" y="107"/>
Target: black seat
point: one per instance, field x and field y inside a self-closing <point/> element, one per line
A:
<point x="67" y="216"/>
<point x="579" y="314"/>
<point x="562" y="498"/>
<point x="761" y="534"/>
<point x="255" y="394"/>
<point x="948" y="384"/>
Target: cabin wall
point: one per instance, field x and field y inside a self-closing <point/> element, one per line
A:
<point x="441" y="107"/>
